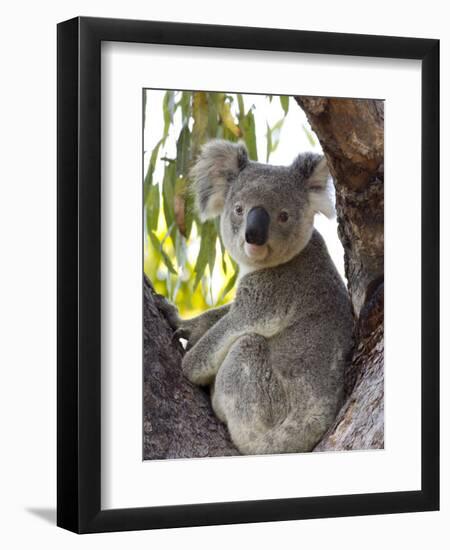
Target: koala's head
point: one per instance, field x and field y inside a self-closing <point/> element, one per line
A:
<point x="266" y="212"/>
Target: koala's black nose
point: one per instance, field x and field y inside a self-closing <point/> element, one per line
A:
<point x="257" y="228"/>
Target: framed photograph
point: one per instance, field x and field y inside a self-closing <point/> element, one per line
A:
<point x="243" y="215"/>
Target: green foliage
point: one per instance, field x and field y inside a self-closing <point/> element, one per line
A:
<point x="273" y="137"/>
<point x="309" y="135"/>
<point x="181" y="254"/>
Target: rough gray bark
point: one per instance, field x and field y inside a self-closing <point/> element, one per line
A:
<point x="351" y="133"/>
<point x="178" y="419"/>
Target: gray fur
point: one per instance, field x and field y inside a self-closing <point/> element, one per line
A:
<point x="219" y="163"/>
<point x="275" y="357"/>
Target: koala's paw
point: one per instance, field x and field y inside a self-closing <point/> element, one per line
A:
<point x="196" y="368"/>
<point x="190" y="331"/>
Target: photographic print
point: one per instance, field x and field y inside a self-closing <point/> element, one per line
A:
<point x="221" y="264"/>
<point x="263" y="274"/>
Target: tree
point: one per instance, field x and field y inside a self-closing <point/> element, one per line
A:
<point x="178" y="420"/>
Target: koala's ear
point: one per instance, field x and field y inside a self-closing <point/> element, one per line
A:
<point x="218" y="164"/>
<point x="317" y="181"/>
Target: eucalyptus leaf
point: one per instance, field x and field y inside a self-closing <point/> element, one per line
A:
<point x="150" y="170"/>
<point x="212" y="251"/>
<point x="188" y="212"/>
<point x="249" y="131"/>
<point x="224" y="263"/>
<point x="200" y="265"/>
<point x="168" y="191"/>
<point x="152" y="208"/>
<point x="183" y="152"/>
<point x="185" y="103"/>
<point x="181" y="252"/>
<point x="213" y="119"/>
<point x="207" y="254"/>
<point x="229" y="135"/>
<point x="200" y="114"/>
<point x="180" y="205"/>
<point x="241" y="106"/>
<point x="268" y="141"/>
<point x="230" y="284"/>
<point x="309" y="135"/>
<point x="228" y="120"/>
<point x="168" y="111"/>
<point x="284" y="100"/>
<point x="158" y="245"/>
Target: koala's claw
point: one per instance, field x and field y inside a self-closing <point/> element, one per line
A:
<point x="181" y="333"/>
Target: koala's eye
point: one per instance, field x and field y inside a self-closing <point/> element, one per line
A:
<point x="238" y="210"/>
<point x="283" y="216"/>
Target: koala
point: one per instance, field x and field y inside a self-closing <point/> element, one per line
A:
<point x="274" y="358"/>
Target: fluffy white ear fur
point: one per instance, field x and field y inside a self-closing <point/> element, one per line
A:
<point x="321" y="190"/>
<point x="218" y="164"/>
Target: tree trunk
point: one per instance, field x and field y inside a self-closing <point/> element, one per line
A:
<point x="178" y="419"/>
<point x="351" y="133"/>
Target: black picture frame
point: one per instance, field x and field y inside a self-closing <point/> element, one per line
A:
<point x="79" y="275"/>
